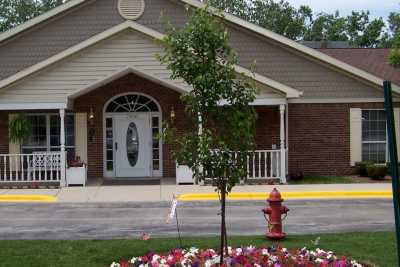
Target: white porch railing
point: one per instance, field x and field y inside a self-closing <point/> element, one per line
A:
<point x="264" y="164"/>
<point x="36" y="167"/>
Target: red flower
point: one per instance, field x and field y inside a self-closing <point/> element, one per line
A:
<point x="124" y="263"/>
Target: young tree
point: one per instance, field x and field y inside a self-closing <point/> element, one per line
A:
<point x="218" y="143"/>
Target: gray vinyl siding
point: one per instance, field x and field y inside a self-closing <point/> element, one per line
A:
<point x="286" y="66"/>
<point x="94" y="64"/>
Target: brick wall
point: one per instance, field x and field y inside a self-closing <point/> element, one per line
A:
<point x="267" y="127"/>
<point x="4" y="132"/>
<point x="267" y="132"/>
<point x="319" y="137"/>
<point x="97" y="99"/>
<point x="319" y="134"/>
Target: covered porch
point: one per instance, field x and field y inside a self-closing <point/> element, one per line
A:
<point x="79" y="136"/>
<point x="80" y="82"/>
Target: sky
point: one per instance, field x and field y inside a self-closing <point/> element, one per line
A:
<point x="378" y="8"/>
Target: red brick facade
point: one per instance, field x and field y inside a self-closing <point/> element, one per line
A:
<point x="319" y="137"/>
<point x="319" y="134"/>
<point x="97" y="99"/>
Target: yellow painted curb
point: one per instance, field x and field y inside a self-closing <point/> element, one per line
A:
<point x="290" y="195"/>
<point x="27" y="198"/>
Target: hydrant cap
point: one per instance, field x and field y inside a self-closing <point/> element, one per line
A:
<point x="275" y="195"/>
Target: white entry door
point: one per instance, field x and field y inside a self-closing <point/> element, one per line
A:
<point x="132" y="147"/>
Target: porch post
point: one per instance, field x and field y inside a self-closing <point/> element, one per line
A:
<point x="62" y="144"/>
<point x="200" y="132"/>
<point x="282" y="146"/>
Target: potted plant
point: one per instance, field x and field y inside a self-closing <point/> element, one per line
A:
<point x="20" y="128"/>
<point x="76" y="172"/>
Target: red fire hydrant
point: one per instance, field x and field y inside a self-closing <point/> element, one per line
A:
<point x="274" y="212"/>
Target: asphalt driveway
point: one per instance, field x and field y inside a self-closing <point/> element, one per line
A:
<point x="130" y="220"/>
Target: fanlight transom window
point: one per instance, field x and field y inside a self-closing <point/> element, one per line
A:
<point x="132" y="103"/>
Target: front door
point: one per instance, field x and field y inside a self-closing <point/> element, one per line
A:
<point x="132" y="145"/>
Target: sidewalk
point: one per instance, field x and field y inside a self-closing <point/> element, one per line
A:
<point x="156" y="193"/>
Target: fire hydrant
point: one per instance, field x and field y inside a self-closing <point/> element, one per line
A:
<point x="274" y="212"/>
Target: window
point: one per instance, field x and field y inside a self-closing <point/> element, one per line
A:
<point x="46" y="134"/>
<point x="374" y="136"/>
<point x="155" y="125"/>
<point x="109" y="144"/>
<point x="132" y="103"/>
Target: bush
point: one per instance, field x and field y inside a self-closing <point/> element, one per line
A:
<point x="394" y="57"/>
<point x="361" y="168"/>
<point x="298" y="176"/>
<point x="377" y="172"/>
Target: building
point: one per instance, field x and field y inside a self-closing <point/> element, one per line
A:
<point x="87" y="76"/>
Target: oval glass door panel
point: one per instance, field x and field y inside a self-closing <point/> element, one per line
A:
<point x="132" y="144"/>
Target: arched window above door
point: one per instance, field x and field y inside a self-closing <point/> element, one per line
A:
<point x="132" y="103"/>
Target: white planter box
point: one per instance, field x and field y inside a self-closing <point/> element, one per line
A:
<point x="184" y="175"/>
<point x="76" y="176"/>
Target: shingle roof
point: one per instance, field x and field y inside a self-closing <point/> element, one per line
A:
<point x="372" y="60"/>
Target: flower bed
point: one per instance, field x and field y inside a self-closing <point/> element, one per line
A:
<point x="246" y="256"/>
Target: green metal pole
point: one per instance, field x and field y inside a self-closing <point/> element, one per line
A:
<point x="394" y="168"/>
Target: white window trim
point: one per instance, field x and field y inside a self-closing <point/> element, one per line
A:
<point x="375" y="142"/>
<point x="48" y="143"/>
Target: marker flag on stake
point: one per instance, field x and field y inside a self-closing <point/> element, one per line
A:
<point x="171" y="214"/>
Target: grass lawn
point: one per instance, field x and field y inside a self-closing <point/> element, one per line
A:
<point x="377" y="248"/>
<point x="324" y="180"/>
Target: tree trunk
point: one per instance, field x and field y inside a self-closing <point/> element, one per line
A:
<point x="223" y="224"/>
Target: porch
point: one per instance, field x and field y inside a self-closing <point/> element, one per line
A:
<point x="49" y="168"/>
<point x="97" y="125"/>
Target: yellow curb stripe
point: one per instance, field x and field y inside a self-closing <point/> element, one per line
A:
<point x="27" y="198"/>
<point x="289" y="195"/>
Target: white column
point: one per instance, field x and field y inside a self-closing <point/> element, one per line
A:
<point x="282" y="146"/>
<point x="200" y="132"/>
<point x="62" y="144"/>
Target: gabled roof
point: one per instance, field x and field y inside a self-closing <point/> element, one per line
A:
<point x="288" y="91"/>
<point x="283" y="41"/>
<point x="372" y="60"/>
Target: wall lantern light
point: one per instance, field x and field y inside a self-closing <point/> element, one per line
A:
<point x="172" y="114"/>
<point x="92" y="131"/>
<point x="91" y="116"/>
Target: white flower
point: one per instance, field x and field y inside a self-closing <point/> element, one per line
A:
<point x="251" y="247"/>
<point x="155" y="258"/>
<point x="230" y="251"/>
<point x="264" y="252"/>
<point x="208" y="263"/>
<point x="115" y="264"/>
<point x="284" y="249"/>
<point x="133" y="260"/>
<point x="194" y="250"/>
<point x="318" y="260"/>
<point x="274" y="259"/>
<point x="355" y="264"/>
<point x="238" y="251"/>
<point x="163" y="261"/>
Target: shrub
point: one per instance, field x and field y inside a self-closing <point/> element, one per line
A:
<point x="361" y="168"/>
<point x="394" y="57"/>
<point x="298" y="176"/>
<point x="377" y="172"/>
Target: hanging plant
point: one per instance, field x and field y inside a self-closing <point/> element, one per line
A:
<point x="20" y="128"/>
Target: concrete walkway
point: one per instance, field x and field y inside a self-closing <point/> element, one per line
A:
<point x="165" y="192"/>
